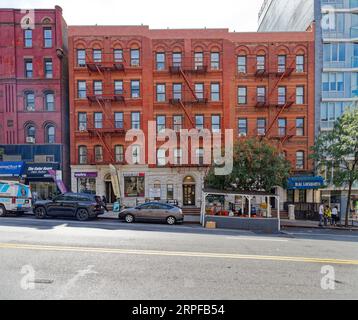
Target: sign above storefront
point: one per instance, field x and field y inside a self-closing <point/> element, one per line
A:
<point x="40" y="170"/>
<point x="11" y="169"/>
<point x="305" y="183"/>
<point x="86" y="174"/>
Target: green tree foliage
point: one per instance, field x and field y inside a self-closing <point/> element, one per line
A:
<point x="258" y="166"/>
<point x="339" y="149"/>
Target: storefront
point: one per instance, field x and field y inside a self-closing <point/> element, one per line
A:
<point x="86" y="182"/>
<point x="40" y="180"/>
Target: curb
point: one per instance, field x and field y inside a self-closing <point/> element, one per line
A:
<point x="319" y="228"/>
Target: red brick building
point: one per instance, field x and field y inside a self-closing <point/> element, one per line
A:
<point x="123" y="77"/>
<point x="34" y="91"/>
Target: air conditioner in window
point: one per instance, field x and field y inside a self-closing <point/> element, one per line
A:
<point x="30" y="140"/>
<point x="82" y="128"/>
<point x="242" y="135"/>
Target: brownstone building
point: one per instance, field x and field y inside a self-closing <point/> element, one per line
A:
<point x="258" y="84"/>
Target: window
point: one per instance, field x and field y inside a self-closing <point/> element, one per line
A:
<point x="30" y="101"/>
<point x="282" y="125"/>
<point x="330" y="112"/>
<point x="177" y="90"/>
<point x="215" y="60"/>
<point x="119" y="153"/>
<point x="242" y="95"/>
<point x="300" y="160"/>
<point x="261" y="127"/>
<point x="160" y="60"/>
<point x="135" y="58"/>
<point x="81" y="89"/>
<point x="135" y="120"/>
<point x="135" y="89"/>
<point x="290" y="196"/>
<point x="281" y="63"/>
<point x="118" y="120"/>
<point x="215" y="92"/>
<point x="161" y="158"/>
<point x="199" y="154"/>
<point x="50" y="101"/>
<point x="118" y="55"/>
<point x="242" y="64"/>
<point x="98" y="120"/>
<point x="136" y="154"/>
<point x="242" y="126"/>
<point x="81" y="57"/>
<point x="302" y="196"/>
<point x="334" y="52"/>
<point x="47" y="37"/>
<point x="118" y="87"/>
<point x="161" y="124"/>
<point x="199" y="122"/>
<point x="48" y="69"/>
<point x="98" y="88"/>
<point x="30" y="132"/>
<point x="300" y="63"/>
<point x="261" y="94"/>
<point x="198" y="60"/>
<point x="300" y="127"/>
<point x="177" y="123"/>
<point x="281" y="95"/>
<point x="82" y="121"/>
<point x="28" y="68"/>
<point x="199" y="90"/>
<point x="82" y="155"/>
<point x="177" y="58"/>
<point x="333" y="81"/>
<point x="98" y="153"/>
<point x="28" y="38"/>
<point x="261" y="63"/>
<point x="300" y="95"/>
<point x="160" y="92"/>
<point x="97" y="55"/>
<point x="170" y="192"/>
<point x="178" y="156"/>
<point x="50" y="134"/>
<point x="215" y="123"/>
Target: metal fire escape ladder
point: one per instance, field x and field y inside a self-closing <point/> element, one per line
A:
<point x="288" y="135"/>
<point x="99" y="135"/>
<point x="188" y="84"/>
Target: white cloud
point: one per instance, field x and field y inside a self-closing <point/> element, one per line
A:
<point x="236" y="15"/>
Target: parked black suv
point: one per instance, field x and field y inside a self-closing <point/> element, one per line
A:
<point x="80" y="205"/>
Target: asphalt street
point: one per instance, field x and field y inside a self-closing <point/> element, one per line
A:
<point x="106" y="259"/>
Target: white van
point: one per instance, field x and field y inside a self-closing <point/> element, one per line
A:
<point x="14" y="198"/>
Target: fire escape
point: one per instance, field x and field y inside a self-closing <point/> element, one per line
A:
<point x="276" y="100"/>
<point x="103" y="94"/>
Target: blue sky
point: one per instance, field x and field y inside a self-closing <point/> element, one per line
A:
<point x="238" y="15"/>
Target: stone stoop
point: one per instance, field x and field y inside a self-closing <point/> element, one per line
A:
<point x="191" y="214"/>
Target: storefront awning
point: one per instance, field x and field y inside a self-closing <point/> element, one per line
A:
<point x="11" y="169"/>
<point x="305" y="183"/>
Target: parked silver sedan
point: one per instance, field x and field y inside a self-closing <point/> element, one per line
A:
<point x="153" y="211"/>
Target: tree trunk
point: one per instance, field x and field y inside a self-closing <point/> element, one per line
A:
<point x="348" y="209"/>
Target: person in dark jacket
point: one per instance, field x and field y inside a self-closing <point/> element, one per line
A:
<point x="104" y="203"/>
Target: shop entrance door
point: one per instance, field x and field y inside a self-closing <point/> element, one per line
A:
<point x="111" y="198"/>
<point x="189" y="195"/>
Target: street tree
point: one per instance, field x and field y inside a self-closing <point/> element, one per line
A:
<point x="257" y="166"/>
<point x="338" y="150"/>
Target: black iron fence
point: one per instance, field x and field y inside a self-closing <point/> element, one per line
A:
<point x="304" y="210"/>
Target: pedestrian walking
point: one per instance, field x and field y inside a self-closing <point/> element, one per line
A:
<point x="335" y="217"/>
<point x="327" y="216"/>
<point x="104" y="203"/>
<point x="321" y="215"/>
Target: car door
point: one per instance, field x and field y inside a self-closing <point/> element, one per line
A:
<point x="70" y="205"/>
<point x="144" y="212"/>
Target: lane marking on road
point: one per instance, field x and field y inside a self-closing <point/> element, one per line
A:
<point x="177" y="254"/>
<point x="257" y="239"/>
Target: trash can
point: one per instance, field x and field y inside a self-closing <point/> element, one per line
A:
<point x="291" y="212"/>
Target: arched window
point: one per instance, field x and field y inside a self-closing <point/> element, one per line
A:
<point x="82" y="155"/>
<point x="30" y="132"/>
<point x="50" y="134"/>
<point x="30" y="101"/>
<point x="49" y="101"/>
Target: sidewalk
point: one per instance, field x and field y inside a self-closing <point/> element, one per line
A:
<point x="313" y="225"/>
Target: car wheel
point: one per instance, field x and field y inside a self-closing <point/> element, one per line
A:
<point x="82" y="215"/>
<point x="129" y="218"/>
<point x="2" y="211"/>
<point x="40" y="213"/>
<point x="171" y="221"/>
